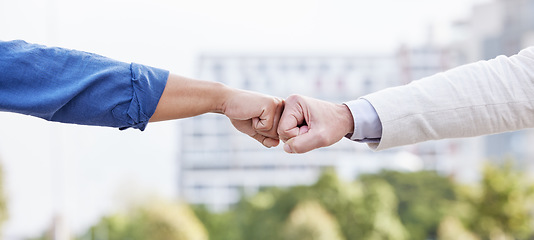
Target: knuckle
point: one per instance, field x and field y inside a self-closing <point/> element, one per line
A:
<point x="269" y="134"/>
<point x="294" y="98"/>
<point x="281" y="132"/>
<point x="286" y="134"/>
<point x="323" y="139"/>
<point x="266" y="127"/>
<point x="276" y="101"/>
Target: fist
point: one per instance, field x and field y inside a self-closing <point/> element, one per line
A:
<point x="308" y="123"/>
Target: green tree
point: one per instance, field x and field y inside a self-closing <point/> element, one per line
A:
<point x="451" y="228"/>
<point x="310" y="221"/>
<point x="159" y="220"/>
<point x="3" y="200"/>
<point x="262" y="216"/>
<point x="220" y="225"/>
<point x="504" y="207"/>
<point x="423" y="199"/>
<point x="364" y="211"/>
<point x="381" y="202"/>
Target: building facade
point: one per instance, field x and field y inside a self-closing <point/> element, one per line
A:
<point x="500" y="27"/>
<point x="218" y="163"/>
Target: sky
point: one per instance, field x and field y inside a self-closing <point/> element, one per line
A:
<point x="83" y="172"/>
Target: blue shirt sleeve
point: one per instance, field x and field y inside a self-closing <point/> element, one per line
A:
<point x="367" y="124"/>
<point x="72" y="86"/>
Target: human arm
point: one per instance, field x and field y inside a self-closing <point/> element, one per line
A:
<point x="71" y="86"/>
<point x="252" y="113"/>
<point x="480" y="98"/>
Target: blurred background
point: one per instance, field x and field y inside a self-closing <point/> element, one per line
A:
<point x="199" y="178"/>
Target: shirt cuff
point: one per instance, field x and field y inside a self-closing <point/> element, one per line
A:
<point x="148" y="85"/>
<point x="367" y="125"/>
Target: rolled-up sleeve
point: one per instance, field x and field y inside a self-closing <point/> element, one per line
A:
<point x="77" y="87"/>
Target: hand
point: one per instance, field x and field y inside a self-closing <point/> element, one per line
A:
<point x="308" y="123"/>
<point x="255" y="114"/>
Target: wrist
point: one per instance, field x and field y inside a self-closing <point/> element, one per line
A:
<point x="220" y="97"/>
<point x="347" y="121"/>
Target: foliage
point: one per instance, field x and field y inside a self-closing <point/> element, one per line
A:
<point x="502" y="208"/>
<point x="310" y="221"/>
<point x="381" y="202"/>
<point x="221" y="226"/>
<point x="384" y="206"/>
<point x="424" y="198"/>
<point x="3" y="200"/>
<point x="451" y="228"/>
<point x="362" y="212"/>
<point x="158" y="220"/>
<point x="389" y="205"/>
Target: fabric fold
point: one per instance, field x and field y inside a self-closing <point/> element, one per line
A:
<point x="148" y="84"/>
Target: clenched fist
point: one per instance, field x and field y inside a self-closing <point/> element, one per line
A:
<point x="309" y="123"/>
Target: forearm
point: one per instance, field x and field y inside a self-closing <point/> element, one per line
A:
<point x="184" y="97"/>
<point x="476" y="99"/>
<point x="252" y="113"/>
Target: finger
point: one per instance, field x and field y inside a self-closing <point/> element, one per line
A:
<point x="271" y="142"/>
<point x="296" y="132"/>
<point x="244" y="126"/>
<point x="303" y="129"/>
<point x="265" y="121"/>
<point x="273" y="132"/>
<point x="292" y="117"/>
<point x="266" y="141"/>
<point x="305" y="142"/>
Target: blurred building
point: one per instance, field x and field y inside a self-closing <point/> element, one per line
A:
<point x="501" y="27"/>
<point x="422" y="61"/>
<point x="218" y="164"/>
<point x="498" y="27"/>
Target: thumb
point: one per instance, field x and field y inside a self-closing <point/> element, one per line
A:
<point x="304" y="142"/>
<point x="303" y="129"/>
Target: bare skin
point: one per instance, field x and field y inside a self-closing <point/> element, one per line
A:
<point x="309" y="123"/>
<point x="254" y="114"/>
